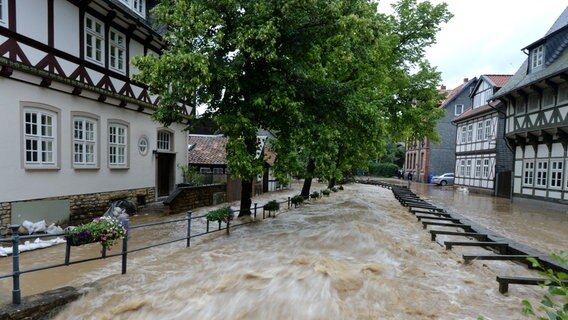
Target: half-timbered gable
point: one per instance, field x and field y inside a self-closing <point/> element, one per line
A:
<point x="537" y="117"/>
<point x="480" y="149"/>
<point x="77" y="127"/>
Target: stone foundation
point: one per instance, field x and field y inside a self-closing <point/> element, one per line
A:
<point x="86" y="207"/>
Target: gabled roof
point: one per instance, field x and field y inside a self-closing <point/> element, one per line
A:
<point x="454" y="93"/>
<point x="556" y="60"/>
<point x="207" y="149"/>
<point x="497" y="80"/>
<point x="471" y="113"/>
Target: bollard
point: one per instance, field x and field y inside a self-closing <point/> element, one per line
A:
<point x="189" y="213"/>
<point x="125" y="224"/>
<point x="16" y="293"/>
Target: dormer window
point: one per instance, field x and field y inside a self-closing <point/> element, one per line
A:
<point x="138" y="6"/>
<point x="537" y="57"/>
<point x="4" y="13"/>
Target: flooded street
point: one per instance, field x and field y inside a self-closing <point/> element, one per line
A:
<point x="355" y="255"/>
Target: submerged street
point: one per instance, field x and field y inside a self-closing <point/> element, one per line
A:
<point x="355" y="255"/>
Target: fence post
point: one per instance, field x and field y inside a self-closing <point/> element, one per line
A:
<point x="189" y="213"/>
<point x="288" y="202"/>
<point x="67" y="253"/>
<point x="16" y="293"/>
<point x="229" y="221"/>
<point x="125" y="246"/>
<point x="255" y="207"/>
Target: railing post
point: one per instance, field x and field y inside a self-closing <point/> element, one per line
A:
<point x="16" y="293"/>
<point x="255" y="207"/>
<point x="189" y="213"/>
<point x="67" y="253"/>
<point x="126" y="225"/>
<point x="229" y="221"/>
<point x="207" y="225"/>
<point x="288" y="202"/>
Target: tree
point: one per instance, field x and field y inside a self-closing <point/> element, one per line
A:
<point x="317" y="72"/>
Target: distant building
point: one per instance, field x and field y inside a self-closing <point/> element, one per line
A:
<point x="483" y="158"/>
<point x="536" y="100"/>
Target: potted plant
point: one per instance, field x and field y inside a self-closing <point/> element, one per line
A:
<point x="326" y="192"/>
<point x="315" y="195"/>
<point x="221" y="214"/>
<point x="105" y="230"/>
<point x="297" y="199"/>
<point x="272" y="206"/>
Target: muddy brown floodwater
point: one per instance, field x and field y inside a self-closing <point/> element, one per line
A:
<point x="355" y="255"/>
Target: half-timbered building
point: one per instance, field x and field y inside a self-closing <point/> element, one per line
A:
<point x="537" y="117"/>
<point x="76" y="128"/>
<point x="483" y="158"/>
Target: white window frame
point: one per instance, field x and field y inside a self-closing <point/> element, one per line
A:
<point x="138" y="6"/>
<point x="4" y="13"/>
<point x="486" y="168"/>
<point x="479" y="131"/>
<point x="116" y="51"/>
<point x="118" y="153"/>
<point x="556" y="170"/>
<point x="218" y="171"/>
<point x="537" y="57"/>
<point x="458" y="107"/>
<point x="488" y="129"/>
<point x="40" y="138"/>
<point x="463" y="134"/>
<point x="92" y="33"/>
<point x="462" y="168"/>
<point x="143" y="145"/>
<point x="528" y="173"/>
<point x="470" y="133"/>
<point x="164" y="141"/>
<point x="85" y="142"/>
<point x="468" y="166"/>
<point x="541" y="174"/>
<point x="478" y="168"/>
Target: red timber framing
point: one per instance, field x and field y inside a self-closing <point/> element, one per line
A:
<point x="80" y="81"/>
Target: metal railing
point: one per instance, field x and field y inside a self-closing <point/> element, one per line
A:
<point x="15" y="239"/>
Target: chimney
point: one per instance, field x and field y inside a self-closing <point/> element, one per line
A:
<point x="443" y="87"/>
<point x="465" y="80"/>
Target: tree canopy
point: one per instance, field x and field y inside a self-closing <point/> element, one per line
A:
<point x="333" y="79"/>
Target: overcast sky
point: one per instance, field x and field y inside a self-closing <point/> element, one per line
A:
<point x="486" y="36"/>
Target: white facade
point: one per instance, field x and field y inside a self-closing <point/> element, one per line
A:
<point x="74" y="122"/>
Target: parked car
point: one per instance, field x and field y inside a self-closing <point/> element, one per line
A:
<point x="445" y="179"/>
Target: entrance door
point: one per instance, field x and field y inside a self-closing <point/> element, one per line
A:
<point x="166" y="171"/>
<point x="504" y="184"/>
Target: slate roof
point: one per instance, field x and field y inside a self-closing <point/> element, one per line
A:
<point x="207" y="149"/>
<point x="470" y="113"/>
<point x="455" y="92"/>
<point x="557" y="63"/>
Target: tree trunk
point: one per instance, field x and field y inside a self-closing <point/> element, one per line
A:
<point x="331" y="183"/>
<point x="308" y="179"/>
<point x="246" y="197"/>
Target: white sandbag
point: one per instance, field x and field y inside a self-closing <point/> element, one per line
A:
<point x="53" y="229"/>
<point x="39" y="226"/>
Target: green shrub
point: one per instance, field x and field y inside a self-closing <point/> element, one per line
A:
<point x="326" y="192"/>
<point x="334" y="189"/>
<point x="383" y="169"/>
<point x="297" y="199"/>
<point x="272" y="206"/>
<point x="340" y="187"/>
<point x="315" y="195"/>
<point x="554" y="304"/>
<point x="220" y="214"/>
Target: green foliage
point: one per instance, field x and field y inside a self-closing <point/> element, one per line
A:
<point x="315" y="195"/>
<point x="105" y="230"/>
<point x="272" y="206"/>
<point x="221" y="214"/>
<point x="326" y="192"/>
<point x="382" y="169"/>
<point x="297" y="199"/>
<point x="334" y="189"/>
<point x="554" y="304"/>
<point x="191" y="175"/>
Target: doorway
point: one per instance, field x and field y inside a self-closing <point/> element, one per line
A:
<point x="165" y="173"/>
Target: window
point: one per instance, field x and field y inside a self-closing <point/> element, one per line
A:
<point x="138" y="6"/>
<point x="485" y="168"/>
<point x="164" y="140"/>
<point x="94" y="39"/>
<point x="479" y="131"/>
<point x="462" y="167"/>
<point x="556" y="174"/>
<point x="537" y="55"/>
<point x="478" y="168"/>
<point x="482" y="95"/>
<point x="143" y="145"/>
<point x="528" y="173"/>
<point x="463" y="134"/>
<point x="470" y="133"/>
<point x="117" y="50"/>
<point x="468" y="168"/>
<point x="118" y="147"/>
<point x="40" y="143"/>
<point x="205" y="170"/>
<point x="218" y="170"/>
<point x="458" y="109"/>
<point x="4" y="13"/>
<point x="488" y="130"/>
<point x="84" y="142"/>
<point x="541" y="173"/>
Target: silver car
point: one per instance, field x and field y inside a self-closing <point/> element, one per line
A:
<point x="445" y="179"/>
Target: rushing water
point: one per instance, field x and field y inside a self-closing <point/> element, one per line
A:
<point x="355" y="255"/>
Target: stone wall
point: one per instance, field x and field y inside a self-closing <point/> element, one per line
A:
<point x="85" y="207"/>
<point x="186" y="198"/>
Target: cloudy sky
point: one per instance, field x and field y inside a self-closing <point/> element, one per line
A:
<point x="486" y="36"/>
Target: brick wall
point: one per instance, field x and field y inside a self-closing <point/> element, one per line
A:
<point x="186" y="198"/>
